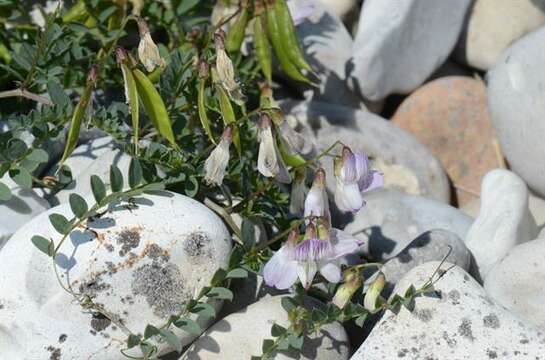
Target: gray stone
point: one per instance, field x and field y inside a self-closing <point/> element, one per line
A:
<point x="139" y="264"/>
<point x="515" y="98"/>
<point x="493" y="25"/>
<point x="518" y="282"/>
<point x="407" y="164"/>
<point x="432" y="245"/>
<point x="463" y="323"/>
<point x="504" y="219"/>
<point x="240" y="335"/>
<point x="17" y="211"/>
<point x="392" y="219"/>
<point x="400" y="43"/>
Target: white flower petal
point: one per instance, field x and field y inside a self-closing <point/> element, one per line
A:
<point x="330" y="271"/>
<point x="267" y="162"/>
<point x="281" y="271"/>
<point x="297" y="198"/>
<point x="306" y="270"/>
<point x="348" y="196"/>
<point x="215" y="165"/>
<point x="316" y="203"/>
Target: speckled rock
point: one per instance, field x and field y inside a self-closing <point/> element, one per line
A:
<point x="463" y="323"/>
<point x="140" y="265"/>
<point x="493" y="25"/>
<point x="100" y="167"/>
<point x="449" y="114"/>
<point x="518" y="281"/>
<point x="504" y="220"/>
<point x="240" y="335"/>
<point x="407" y="164"/>
<point x="399" y="44"/>
<point x="17" y="211"/>
<point x="432" y="245"/>
<point x="515" y="100"/>
<point x="392" y="219"/>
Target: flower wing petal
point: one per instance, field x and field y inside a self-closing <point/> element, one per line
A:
<point x="280" y="271"/>
<point x="330" y="271"/>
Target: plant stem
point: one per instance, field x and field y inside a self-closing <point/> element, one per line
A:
<point x="21" y="92"/>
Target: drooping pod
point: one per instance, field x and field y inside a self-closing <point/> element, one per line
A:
<point x="79" y="114"/>
<point x="234" y="38"/>
<point x="288" y="35"/>
<point x="201" y="103"/>
<point x="131" y="93"/>
<point x="261" y="43"/>
<point x="154" y="106"/>
<point x="280" y="47"/>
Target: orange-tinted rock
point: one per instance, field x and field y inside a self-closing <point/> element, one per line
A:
<point x="450" y="116"/>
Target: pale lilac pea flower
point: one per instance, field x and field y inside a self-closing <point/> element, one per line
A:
<point x="215" y="165"/>
<point x="304" y="259"/>
<point x="316" y="203"/>
<point x="269" y="161"/>
<point x="353" y="178"/>
<point x="301" y="10"/>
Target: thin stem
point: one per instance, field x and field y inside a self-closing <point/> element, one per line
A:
<point x="280" y="236"/>
<point x="322" y="154"/>
<point x="227" y="217"/>
<point x="21" y="92"/>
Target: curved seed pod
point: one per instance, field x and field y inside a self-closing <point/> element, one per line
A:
<point x="288" y="35"/>
<point x="236" y="33"/>
<point x="228" y="115"/>
<point x="262" y="50"/>
<point x="76" y="13"/>
<point x="201" y="104"/>
<point x="131" y="93"/>
<point x="290" y="159"/>
<point x="279" y="47"/>
<point x="154" y="106"/>
<point x="4" y="53"/>
<point x="79" y="114"/>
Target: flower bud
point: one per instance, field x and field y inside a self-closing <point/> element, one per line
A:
<point x="204" y="68"/>
<point x="226" y="71"/>
<point x="298" y="192"/>
<point x="373" y="293"/>
<point x="353" y="280"/>
<point x="93" y="74"/>
<point x="316" y="203"/>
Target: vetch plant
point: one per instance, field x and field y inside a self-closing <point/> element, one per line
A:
<point x="175" y="92"/>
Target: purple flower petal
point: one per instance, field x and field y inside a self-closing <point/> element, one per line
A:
<point x="281" y="270"/>
<point x="343" y="243"/>
<point x="330" y="271"/>
<point x="376" y="180"/>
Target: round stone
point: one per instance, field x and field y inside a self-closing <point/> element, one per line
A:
<point x="450" y="116"/>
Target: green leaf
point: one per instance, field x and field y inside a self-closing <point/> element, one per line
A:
<point x="98" y="188"/>
<point x="44" y="245"/>
<point x="60" y="223"/>
<point x="220" y="293"/>
<point x="288" y="303"/>
<point x="15" y="149"/>
<point x="277" y="330"/>
<point x="218" y="277"/>
<point x="132" y="341"/>
<point x="188" y="325"/>
<point x="268" y="346"/>
<point x="185" y="6"/>
<point x="204" y="309"/>
<point x="237" y="274"/>
<point x="78" y="205"/>
<point x="318" y="315"/>
<point x="191" y="186"/>
<point x="116" y="179"/>
<point x="171" y="339"/>
<point x="38" y="155"/>
<point x="57" y="95"/>
<point x="135" y="173"/>
<point x="5" y="192"/>
<point x="360" y="320"/>
<point x="248" y="233"/>
<point x="296" y="342"/>
<point x="150" y="331"/>
<point x="22" y="177"/>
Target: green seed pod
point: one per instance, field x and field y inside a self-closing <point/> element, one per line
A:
<point x="288" y="35"/>
<point x="228" y="115"/>
<point x="131" y="93"/>
<point x="262" y="49"/>
<point x="280" y="47"/>
<point x="236" y="33"/>
<point x="203" y="75"/>
<point x="79" y="114"/>
<point x="154" y="106"/>
<point x="76" y="13"/>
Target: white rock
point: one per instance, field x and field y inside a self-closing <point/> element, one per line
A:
<point x="341" y="8"/>
<point x="392" y="219"/>
<point x="462" y="324"/>
<point x="100" y="167"/>
<point x="407" y="164"/>
<point x="240" y="335"/>
<point x="140" y="265"/>
<point x="17" y="211"/>
<point x="400" y="43"/>
<point x="503" y="222"/>
<point x="493" y="25"/>
<point x="517" y="107"/>
<point x="518" y="281"/>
